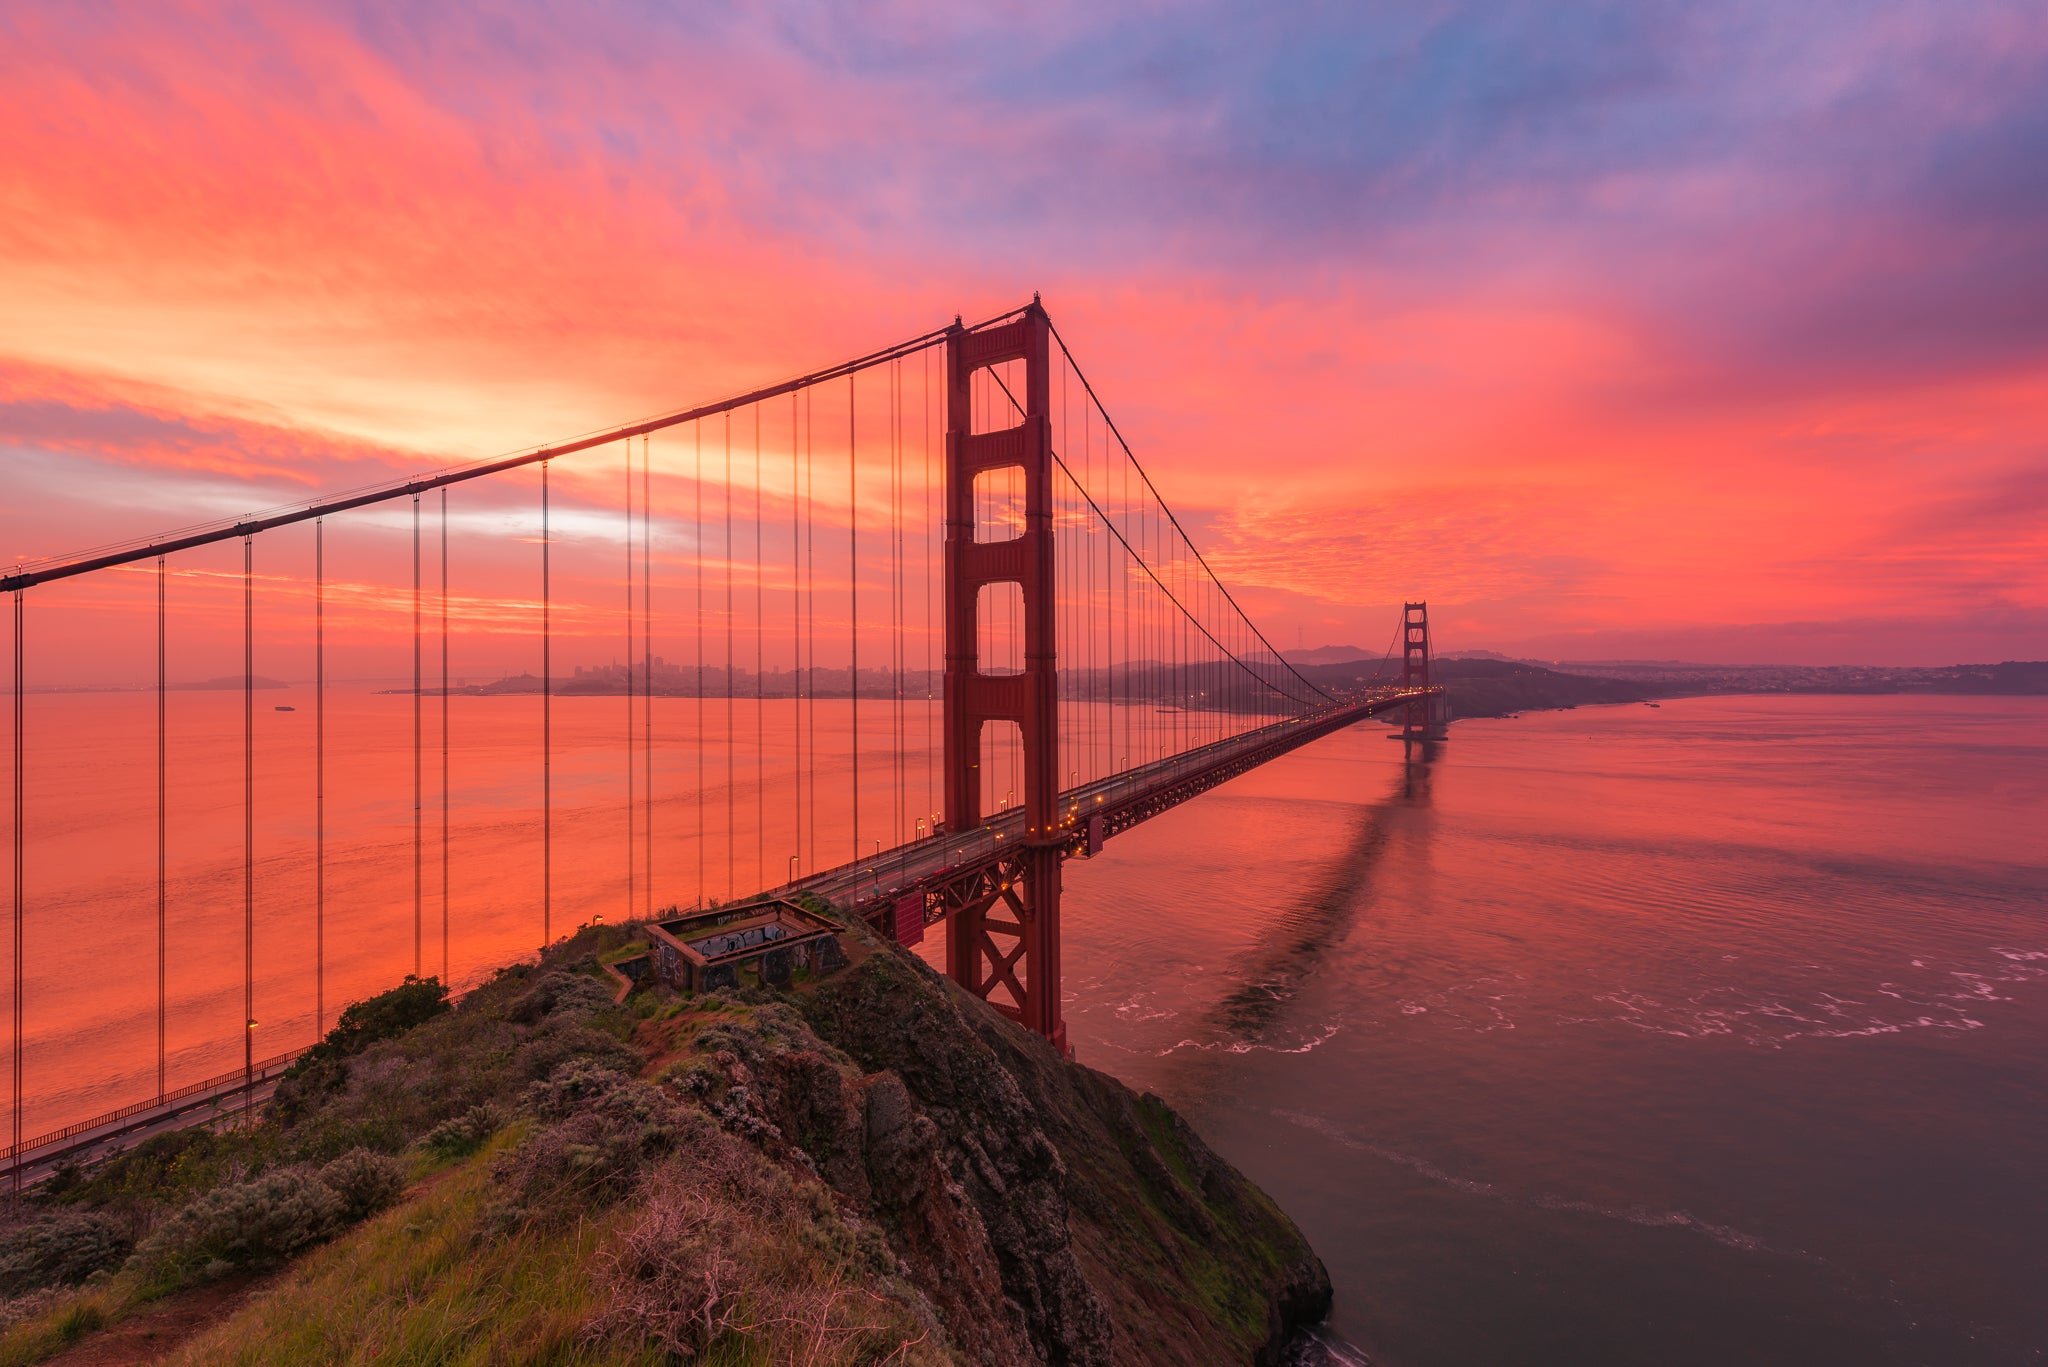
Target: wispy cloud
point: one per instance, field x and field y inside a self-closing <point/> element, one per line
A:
<point x="1633" y="314"/>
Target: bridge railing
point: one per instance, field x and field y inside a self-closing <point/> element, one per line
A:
<point x="864" y="881"/>
<point x="225" y="1084"/>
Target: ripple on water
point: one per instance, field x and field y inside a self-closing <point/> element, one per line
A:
<point x="1644" y="1216"/>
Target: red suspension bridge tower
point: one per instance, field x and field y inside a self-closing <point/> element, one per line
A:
<point x="1006" y="949"/>
<point x="1420" y="718"/>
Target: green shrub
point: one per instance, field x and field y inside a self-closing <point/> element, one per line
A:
<point x="167" y="1169"/>
<point x="556" y="993"/>
<point x="564" y="1041"/>
<point x="463" y="1134"/>
<point x="366" y="1182"/>
<point x="257" y="1223"/>
<point x="62" y="1248"/>
<point x="323" y="1069"/>
<point x="603" y="1129"/>
<point x="386" y="1015"/>
<point x="81" y="1319"/>
<point x="574" y="1086"/>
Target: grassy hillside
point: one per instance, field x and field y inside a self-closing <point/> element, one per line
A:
<point x="868" y="1169"/>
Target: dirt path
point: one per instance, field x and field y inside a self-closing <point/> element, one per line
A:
<point x="150" y="1335"/>
<point x="154" y="1333"/>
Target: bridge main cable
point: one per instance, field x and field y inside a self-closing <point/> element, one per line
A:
<point x="86" y="564"/>
<point x="1160" y="499"/>
<point x="1103" y="515"/>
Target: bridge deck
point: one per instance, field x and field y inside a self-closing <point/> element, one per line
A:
<point x="872" y="886"/>
<point x="90" y="1141"/>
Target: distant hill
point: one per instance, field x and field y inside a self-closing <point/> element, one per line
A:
<point x="1328" y="655"/>
<point x="228" y="681"/>
<point x="1342" y="655"/>
<point x="1495" y="687"/>
<point x="2010" y="678"/>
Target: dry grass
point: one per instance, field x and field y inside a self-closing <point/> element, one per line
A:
<point x="420" y="1286"/>
<point x="730" y="1256"/>
<point x="720" y="1258"/>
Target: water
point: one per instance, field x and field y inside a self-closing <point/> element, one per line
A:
<point x="1712" y="1033"/>
<point x="730" y="790"/>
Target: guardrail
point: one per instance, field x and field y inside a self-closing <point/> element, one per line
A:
<point x="223" y="1084"/>
<point x="872" y="881"/>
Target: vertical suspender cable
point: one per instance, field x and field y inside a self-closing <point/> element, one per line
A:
<point x="162" y="843"/>
<point x="796" y="638"/>
<point x="632" y="865"/>
<point x="547" y="724"/>
<point x="732" y="810"/>
<point x="20" y="851"/>
<point x="853" y="597"/>
<point x="248" y="820"/>
<point x="320" y="776"/>
<point x="760" y="681"/>
<point x="811" y="622"/>
<point x="647" y="657"/>
<point x="697" y="533"/>
<point x="896" y="588"/>
<point x="895" y="645"/>
<point x="1070" y="663"/>
<point x="418" y="789"/>
<point x="444" y="733"/>
<point x="931" y="581"/>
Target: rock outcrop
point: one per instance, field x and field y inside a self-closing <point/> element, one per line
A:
<point x="1047" y="1213"/>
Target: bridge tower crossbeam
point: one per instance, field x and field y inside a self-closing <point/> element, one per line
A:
<point x="1003" y="943"/>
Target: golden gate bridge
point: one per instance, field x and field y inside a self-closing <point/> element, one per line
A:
<point x="947" y="542"/>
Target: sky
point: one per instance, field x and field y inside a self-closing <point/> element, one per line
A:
<point x="1708" y="331"/>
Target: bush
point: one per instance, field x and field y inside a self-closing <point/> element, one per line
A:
<point x="366" y="1182"/>
<point x="463" y="1134"/>
<point x="559" y="993"/>
<point x="323" y="1069"/>
<point x="62" y="1248"/>
<point x="168" y="1169"/>
<point x="605" y="1128"/>
<point x="575" y="1086"/>
<point x="257" y="1223"/>
<point x="79" y="1320"/>
<point x="561" y="1042"/>
<point x="386" y="1015"/>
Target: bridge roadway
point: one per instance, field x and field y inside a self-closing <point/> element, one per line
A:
<point x="955" y="860"/>
<point x="215" y="1100"/>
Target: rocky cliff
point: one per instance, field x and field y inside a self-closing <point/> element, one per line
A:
<point x="1045" y="1212"/>
<point x="867" y="1168"/>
